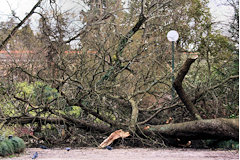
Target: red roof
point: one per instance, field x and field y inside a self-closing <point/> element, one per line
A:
<point x="27" y="51"/>
<point x="15" y="52"/>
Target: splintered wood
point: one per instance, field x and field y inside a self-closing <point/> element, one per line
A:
<point x="113" y="136"/>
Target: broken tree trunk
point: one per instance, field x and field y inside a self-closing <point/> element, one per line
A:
<point x="180" y="91"/>
<point x="220" y="128"/>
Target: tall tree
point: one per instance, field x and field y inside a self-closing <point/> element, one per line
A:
<point x="234" y="26"/>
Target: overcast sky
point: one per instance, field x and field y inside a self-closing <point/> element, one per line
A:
<point x="219" y="11"/>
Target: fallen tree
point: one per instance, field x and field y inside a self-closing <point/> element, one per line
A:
<point x="88" y="96"/>
<point x="220" y="128"/>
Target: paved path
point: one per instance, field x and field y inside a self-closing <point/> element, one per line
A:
<point x="126" y="154"/>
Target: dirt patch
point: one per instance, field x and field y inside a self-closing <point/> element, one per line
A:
<point x="123" y="154"/>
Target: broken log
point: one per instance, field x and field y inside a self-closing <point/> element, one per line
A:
<point x="220" y="128"/>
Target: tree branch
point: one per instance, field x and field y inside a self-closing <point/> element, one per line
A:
<point x="198" y="95"/>
<point x="122" y="44"/>
<point x="19" y="25"/>
<point x="64" y="120"/>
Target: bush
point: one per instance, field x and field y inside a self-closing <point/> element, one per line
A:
<point x="18" y="144"/>
<point x="222" y="144"/>
<point x="6" y="148"/>
<point x="230" y="144"/>
<point x="11" y="146"/>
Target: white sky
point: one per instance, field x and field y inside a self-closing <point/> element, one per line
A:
<point x="219" y="12"/>
<point x="20" y="6"/>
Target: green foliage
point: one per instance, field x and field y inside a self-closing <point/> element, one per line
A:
<point x="75" y="111"/>
<point x="5" y="130"/>
<point x="4" y="149"/>
<point x="224" y="144"/>
<point x="11" y="146"/>
<point x="24" y="88"/>
<point x="18" y="144"/>
<point x="230" y="144"/>
<point x="234" y="25"/>
<point x="43" y="93"/>
<point x="199" y="11"/>
<point x="38" y="91"/>
<point x="233" y="116"/>
<point x="38" y="94"/>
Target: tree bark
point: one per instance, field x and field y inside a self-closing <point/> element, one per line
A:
<point x="180" y="91"/>
<point x="220" y="128"/>
<point x="134" y="116"/>
<point x="87" y="126"/>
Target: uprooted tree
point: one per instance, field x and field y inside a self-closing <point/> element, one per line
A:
<point x="112" y="71"/>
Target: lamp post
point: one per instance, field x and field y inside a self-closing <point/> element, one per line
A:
<point x="172" y="36"/>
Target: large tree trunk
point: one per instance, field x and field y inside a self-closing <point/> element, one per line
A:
<point x="220" y="128"/>
<point x="180" y="91"/>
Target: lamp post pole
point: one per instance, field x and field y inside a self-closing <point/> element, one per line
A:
<point x="172" y="69"/>
<point x="172" y="37"/>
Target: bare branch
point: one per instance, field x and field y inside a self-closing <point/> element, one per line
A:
<point x="19" y="25"/>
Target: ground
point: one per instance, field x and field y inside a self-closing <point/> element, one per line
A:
<point x="126" y="154"/>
